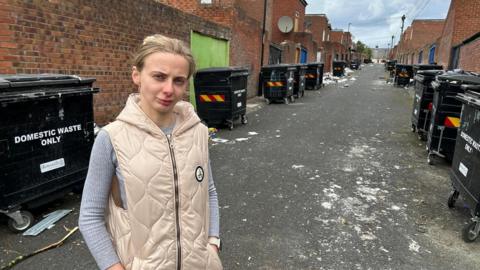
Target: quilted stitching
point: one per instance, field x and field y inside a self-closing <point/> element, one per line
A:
<point x="146" y="237"/>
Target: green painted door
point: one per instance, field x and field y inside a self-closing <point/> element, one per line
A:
<point x="208" y="52"/>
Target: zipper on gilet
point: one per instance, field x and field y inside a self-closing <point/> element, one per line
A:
<point x="177" y="202"/>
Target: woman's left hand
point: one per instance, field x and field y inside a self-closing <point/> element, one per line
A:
<point x="214" y="247"/>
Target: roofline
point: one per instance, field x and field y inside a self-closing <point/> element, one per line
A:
<point x="429" y="20"/>
<point x="317" y="14"/>
<point x="304" y="2"/>
<point x="472" y="38"/>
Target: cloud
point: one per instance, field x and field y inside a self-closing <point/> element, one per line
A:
<point x="375" y="21"/>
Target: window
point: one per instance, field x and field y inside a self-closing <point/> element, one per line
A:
<point x="206" y="1"/>
<point x="431" y="56"/>
<point x="420" y="57"/>
<point x="323" y="37"/>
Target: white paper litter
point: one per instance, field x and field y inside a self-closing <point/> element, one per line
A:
<point x="219" y="140"/>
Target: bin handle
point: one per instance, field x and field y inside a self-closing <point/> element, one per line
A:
<point x="240" y="74"/>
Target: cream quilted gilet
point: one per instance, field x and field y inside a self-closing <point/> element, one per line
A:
<point x="165" y="225"/>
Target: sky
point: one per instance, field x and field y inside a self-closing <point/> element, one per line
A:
<point x="373" y="22"/>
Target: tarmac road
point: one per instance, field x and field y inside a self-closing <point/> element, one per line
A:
<point x="335" y="180"/>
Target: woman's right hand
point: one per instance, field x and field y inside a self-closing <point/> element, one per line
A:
<point x="117" y="266"/>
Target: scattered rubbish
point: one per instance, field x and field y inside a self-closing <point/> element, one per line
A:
<point x="277" y="136"/>
<point x="327" y="205"/>
<point x="353" y="79"/>
<point x="297" y="166"/>
<point x="38" y="251"/>
<point x="414" y="246"/>
<point x="219" y="140"/>
<point x="47" y="222"/>
<point x="251" y="133"/>
<point x="241" y="139"/>
<point x="212" y="131"/>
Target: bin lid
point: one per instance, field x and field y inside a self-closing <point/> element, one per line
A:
<point x="315" y="64"/>
<point x="32" y="80"/>
<point x="427" y="67"/>
<point x="458" y="78"/>
<point x="222" y="69"/>
<point x="278" y="66"/>
<point x="25" y="86"/>
<point x="403" y="66"/>
<point x="300" y="66"/>
<point x="429" y="72"/>
<point x="470" y="98"/>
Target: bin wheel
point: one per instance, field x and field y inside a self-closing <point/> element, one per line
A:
<point x="286" y="100"/>
<point x="452" y="199"/>
<point x="413" y="128"/>
<point x="230" y="125"/>
<point x="430" y="159"/>
<point x="303" y="93"/>
<point x="268" y="101"/>
<point x="27" y="222"/>
<point x="470" y="232"/>
<point x="244" y="119"/>
<point x="422" y="137"/>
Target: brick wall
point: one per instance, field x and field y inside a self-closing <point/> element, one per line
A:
<point x="469" y="55"/>
<point x="462" y="22"/>
<point x="287" y="8"/>
<point x="90" y="38"/>
<point x="245" y="19"/>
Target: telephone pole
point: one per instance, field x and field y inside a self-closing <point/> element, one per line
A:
<point x="391" y="49"/>
<point x="401" y="36"/>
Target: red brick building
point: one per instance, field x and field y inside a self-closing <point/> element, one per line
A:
<point x="341" y="42"/>
<point x="90" y="38"/>
<point x="245" y="19"/>
<point x="469" y="54"/>
<point x="463" y="21"/>
<point x="320" y="28"/>
<point x="418" y="41"/>
<point x="297" y="44"/>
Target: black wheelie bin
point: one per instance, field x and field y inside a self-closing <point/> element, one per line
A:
<point x="299" y="80"/>
<point x="465" y="173"/>
<point x="422" y="102"/>
<point x="445" y="118"/>
<point x="277" y="83"/>
<point x="46" y="136"/>
<point x="314" y="76"/>
<point x="339" y="68"/>
<point x="403" y="74"/>
<point x="221" y="95"/>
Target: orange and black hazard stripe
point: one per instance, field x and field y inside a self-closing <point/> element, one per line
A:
<point x="274" y="84"/>
<point x="452" y="122"/>
<point x="212" y="98"/>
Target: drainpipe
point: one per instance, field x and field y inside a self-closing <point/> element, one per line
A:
<point x="259" y="92"/>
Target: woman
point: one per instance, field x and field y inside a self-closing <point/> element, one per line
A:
<point x="149" y="201"/>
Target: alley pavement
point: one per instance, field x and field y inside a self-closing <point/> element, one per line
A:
<point x="335" y="180"/>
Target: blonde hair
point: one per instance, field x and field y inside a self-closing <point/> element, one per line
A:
<point x="159" y="43"/>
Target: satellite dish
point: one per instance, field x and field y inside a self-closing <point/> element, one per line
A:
<point x="285" y="24"/>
